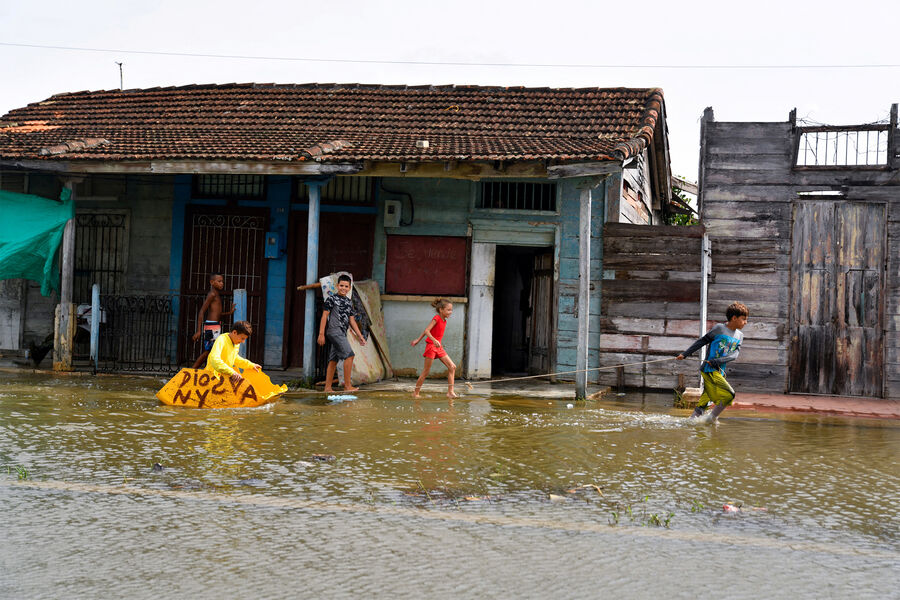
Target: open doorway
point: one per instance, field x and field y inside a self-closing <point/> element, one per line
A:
<point x="523" y="311"/>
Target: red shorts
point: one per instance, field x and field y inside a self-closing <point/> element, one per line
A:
<point x="433" y="352"/>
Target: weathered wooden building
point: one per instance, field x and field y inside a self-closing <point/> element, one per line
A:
<point x="804" y="227"/>
<point x="496" y="197"/>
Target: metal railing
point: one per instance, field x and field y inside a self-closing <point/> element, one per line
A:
<point x="136" y="334"/>
<point x="830" y="147"/>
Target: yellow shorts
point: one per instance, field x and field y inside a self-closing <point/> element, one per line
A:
<point x="716" y="390"/>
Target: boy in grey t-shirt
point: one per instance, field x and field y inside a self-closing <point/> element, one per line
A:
<point x="724" y="341"/>
<point x="336" y="319"/>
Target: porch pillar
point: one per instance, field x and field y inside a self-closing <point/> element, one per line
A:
<point x="310" y="327"/>
<point x="480" y="312"/>
<point x="584" y="292"/>
<point x="64" y="333"/>
<point x="586" y="186"/>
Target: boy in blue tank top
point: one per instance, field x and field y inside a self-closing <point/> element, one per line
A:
<point x="724" y="341"/>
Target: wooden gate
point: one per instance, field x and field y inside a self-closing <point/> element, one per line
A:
<point x="541" y="337"/>
<point x="837" y="266"/>
<point x="230" y="241"/>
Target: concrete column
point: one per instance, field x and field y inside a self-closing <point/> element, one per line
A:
<point x="240" y="314"/>
<point x="310" y="327"/>
<point x="480" y="312"/>
<point x="584" y="292"/>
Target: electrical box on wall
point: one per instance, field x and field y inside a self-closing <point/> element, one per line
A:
<point x="274" y="246"/>
<point x="392" y="209"/>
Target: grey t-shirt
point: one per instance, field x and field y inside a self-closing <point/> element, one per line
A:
<point x="724" y="347"/>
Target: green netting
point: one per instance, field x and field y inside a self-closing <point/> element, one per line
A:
<point x="31" y="229"/>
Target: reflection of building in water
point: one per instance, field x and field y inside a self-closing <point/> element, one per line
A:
<point x="224" y="448"/>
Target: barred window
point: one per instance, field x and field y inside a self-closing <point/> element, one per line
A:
<point x="230" y="187"/>
<point x="837" y="147"/>
<point x="359" y="191"/>
<point x="518" y="195"/>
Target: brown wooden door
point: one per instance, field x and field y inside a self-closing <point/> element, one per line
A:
<point x="230" y="241"/>
<point x="837" y="267"/>
<point x="346" y="242"/>
<point x="541" y="338"/>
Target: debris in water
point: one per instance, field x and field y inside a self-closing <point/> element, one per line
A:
<point x="555" y="498"/>
<point x="731" y="508"/>
<point x="341" y="397"/>
<point x="323" y="457"/>
<point x="587" y="485"/>
<point x="157" y="468"/>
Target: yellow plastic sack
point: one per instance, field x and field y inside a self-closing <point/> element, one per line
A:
<point x="200" y="388"/>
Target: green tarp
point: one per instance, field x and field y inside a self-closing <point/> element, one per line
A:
<point x="31" y="229"/>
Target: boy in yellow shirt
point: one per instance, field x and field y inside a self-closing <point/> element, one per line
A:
<point x="223" y="356"/>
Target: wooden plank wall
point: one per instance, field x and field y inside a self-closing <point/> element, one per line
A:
<point x="747" y="191"/>
<point x="650" y="302"/>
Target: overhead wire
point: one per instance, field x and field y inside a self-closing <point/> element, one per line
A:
<point x="431" y="63"/>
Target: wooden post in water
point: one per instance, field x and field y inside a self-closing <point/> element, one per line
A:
<point x="64" y="334"/>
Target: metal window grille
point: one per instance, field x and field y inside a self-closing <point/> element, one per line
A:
<point x="101" y="253"/>
<point x="14" y="181"/>
<point x="830" y="147"/>
<point x="518" y="195"/>
<point x="232" y="187"/>
<point x="344" y="190"/>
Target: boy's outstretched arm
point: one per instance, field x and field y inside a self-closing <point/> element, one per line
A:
<point x="355" y="328"/>
<point x="706" y="339"/>
<point x="200" y="314"/>
<point x="324" y="320"/>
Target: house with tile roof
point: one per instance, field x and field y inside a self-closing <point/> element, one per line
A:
<point x="493" y="196"/>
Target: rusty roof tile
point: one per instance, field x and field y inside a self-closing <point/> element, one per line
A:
<point x="336" y="123"/>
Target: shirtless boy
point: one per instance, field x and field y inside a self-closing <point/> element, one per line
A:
<point x="209" y="318"/>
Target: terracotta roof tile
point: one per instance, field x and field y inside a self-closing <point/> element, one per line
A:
<point x="336" y="123"/>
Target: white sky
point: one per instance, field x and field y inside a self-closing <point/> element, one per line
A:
<point x="523" y="31"/>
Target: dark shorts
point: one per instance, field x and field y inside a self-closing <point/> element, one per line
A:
<point x="211" y="330"/>
<point x="340" y="346"/>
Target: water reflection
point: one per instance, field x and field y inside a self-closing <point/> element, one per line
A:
<point x="500" y="463"/>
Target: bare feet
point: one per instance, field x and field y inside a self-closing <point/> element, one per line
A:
<point x="416" y="394"/>
<point x="329" y="391"/>
<point x="351" y="389"/>
<point x="452" y="394"/>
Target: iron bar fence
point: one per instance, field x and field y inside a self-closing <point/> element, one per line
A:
<point x="137" y="334"/>
<point x="141" y="334"/>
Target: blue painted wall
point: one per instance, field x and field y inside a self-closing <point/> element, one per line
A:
<point x="279" y="200"/>
<point x="442" y="207"/>
<point x="446" y="207"/>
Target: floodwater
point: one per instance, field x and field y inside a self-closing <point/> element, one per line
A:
<point x="492" y="497"/>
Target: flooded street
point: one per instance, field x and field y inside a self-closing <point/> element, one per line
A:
<point x="106" y="493"/>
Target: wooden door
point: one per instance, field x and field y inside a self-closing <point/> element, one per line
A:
<point x="541" y="330"/>
<point x="346" y="242"/>
<point x="837" y="271"/>
<point x="230" y="241"/>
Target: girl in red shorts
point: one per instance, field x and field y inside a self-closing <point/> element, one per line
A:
<point x="433" y="347"/>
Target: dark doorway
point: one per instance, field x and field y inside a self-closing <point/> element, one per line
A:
<point x="346" y="242"/>
<point x="230" y="241"/>
<point x="523" y="311"/>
